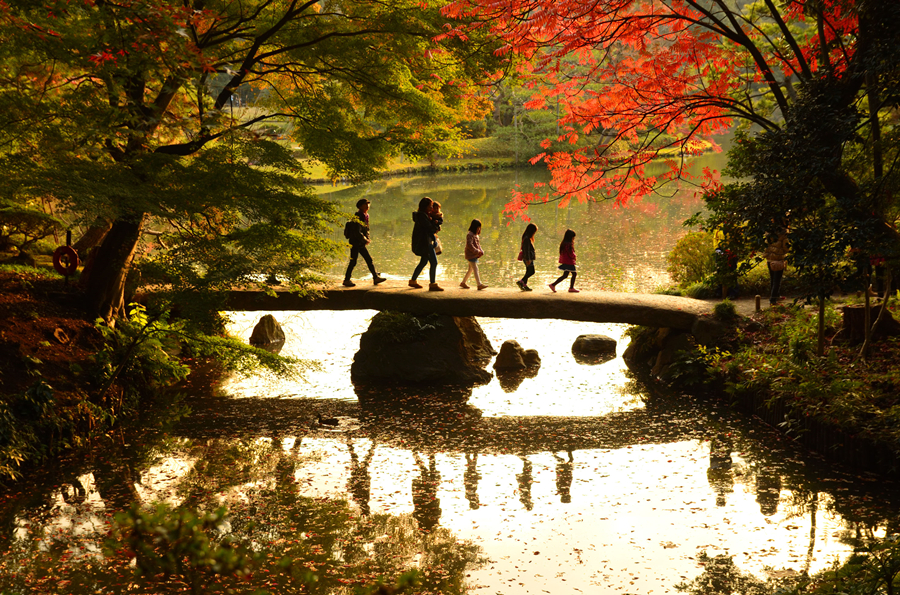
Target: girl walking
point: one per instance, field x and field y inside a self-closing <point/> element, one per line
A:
<point x="473" y="253"/>
<point x="526" y="255"/>
<point x="566" y="261"/>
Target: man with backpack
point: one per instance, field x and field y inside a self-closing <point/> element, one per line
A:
<point x="357" y="233"/>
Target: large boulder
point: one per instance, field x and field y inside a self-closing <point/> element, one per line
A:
<point x="434" y="349"/>
<point x="268" y="334"/>
<point x="514" y="364"/>
<point x="511" y="356"/>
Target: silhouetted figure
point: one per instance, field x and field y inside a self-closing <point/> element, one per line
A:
<point x="426" y="506"/>
<point x="719" y="474"/>
<point x="470" y="480"/>
<point x="768" y="491"/>
<point x="525" y="480"/>
<point x="360" y="483"/>
<point x="564" y="477"/>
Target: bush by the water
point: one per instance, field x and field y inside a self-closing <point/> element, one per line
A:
<point x="691" y="260"/>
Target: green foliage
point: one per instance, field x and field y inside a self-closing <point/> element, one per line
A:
<point x="779" y="362"/>
<point x="22" y="226"/>
<point x="721" y="575"/>
<point x="703" y="290"/>
<point x="233" y="211"/>
<point x="874" y="568"/>
<point x="25" y="274"/>
<point x="173" y="125"/>
<point x="178" y="542"/>
<point x="725" y="311"/>
<point x="793" y="178"/>
<point x="130" y="381"/>
<point x="145" y="353"/>
<point x="702" y="367"/>
<point x="691" y="260"/>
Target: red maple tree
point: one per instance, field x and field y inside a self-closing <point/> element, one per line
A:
<point x="652" y="80"/>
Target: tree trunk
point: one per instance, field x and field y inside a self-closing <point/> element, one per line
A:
<point x="105" y="287"/>
<point x="820" y="348"/>
<point x="854" y="326"/>
<point x="93" y="236"/>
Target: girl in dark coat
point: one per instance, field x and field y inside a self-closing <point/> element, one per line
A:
<point x="528" y="255"/>
<point x="423" y="244"/>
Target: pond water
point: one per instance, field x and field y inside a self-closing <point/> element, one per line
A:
<point x="576" y="479"/>
<point x="617" y="248"/>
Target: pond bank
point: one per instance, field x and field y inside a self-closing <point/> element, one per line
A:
<point x="838" y="406"/>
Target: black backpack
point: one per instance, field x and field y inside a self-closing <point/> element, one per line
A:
<point x="349" y="228"/>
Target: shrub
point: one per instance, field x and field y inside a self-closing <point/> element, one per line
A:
<point x="22" y="227"/>
<point x="691" y="260"/>
<point x="725" y="311"/>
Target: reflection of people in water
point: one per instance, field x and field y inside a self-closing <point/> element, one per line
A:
<point x="525" y="480"/>
<point x="564" y="477"/>
<point x="360" y="483"/>
<point x="426" y="506"/>
<point x="768" y="490"/>
<point x="470" y="480"/>
<point x="719" y="474"/>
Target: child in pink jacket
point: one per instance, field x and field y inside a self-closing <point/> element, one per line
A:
<point x="567" y="261"/>
<point x="473" y="253"/>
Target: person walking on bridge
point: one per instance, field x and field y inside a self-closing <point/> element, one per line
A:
<point x="566" y="261"/>
<point x="473" y="252"/>
<point x="357" y="233"/>
<point x="423" y="244"/>
<point x="527" y="255"/>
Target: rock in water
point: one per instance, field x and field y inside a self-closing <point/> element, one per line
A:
<point x="267" y="331"/>
<point x="434" y="349"/>
<point x="593" y="349"/>
<point x="511" y="356"/>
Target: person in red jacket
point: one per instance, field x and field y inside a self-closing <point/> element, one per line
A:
<point x="566" y="261"/>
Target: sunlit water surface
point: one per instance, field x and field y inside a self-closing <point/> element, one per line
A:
<point x="628" y="519"/>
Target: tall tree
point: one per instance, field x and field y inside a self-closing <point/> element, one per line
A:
<point x="128" y="111"/>
<point x="657" y="75"/>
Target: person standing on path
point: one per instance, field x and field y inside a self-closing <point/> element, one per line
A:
<point x="776" y="252"/>
<point x="358" y="235"/>
<point x="527" y="255"/>
<point x="423" y="244"/>
<point x="472" y="253"/>
<point x="566" y="261"/>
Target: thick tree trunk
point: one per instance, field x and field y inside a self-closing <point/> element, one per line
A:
<point x="854" y="326"/>
<point x="105" y="287"/>
<point x="92" y="237"/>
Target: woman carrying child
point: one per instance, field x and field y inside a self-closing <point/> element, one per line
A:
<point x="423" y="245"/>
<point x="473" y="252"/>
